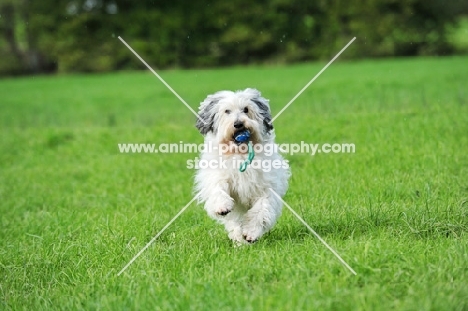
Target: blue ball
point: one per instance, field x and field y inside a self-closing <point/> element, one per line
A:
<point x="242" y="137"/>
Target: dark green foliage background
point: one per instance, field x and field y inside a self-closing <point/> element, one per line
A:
<point x="81" y="35"/>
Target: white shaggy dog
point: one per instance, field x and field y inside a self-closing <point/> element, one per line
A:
<point x="242" y="201"/>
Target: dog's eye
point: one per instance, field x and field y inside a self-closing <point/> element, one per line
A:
<point x="227" y="111"/>
<point x="246" y="110"/>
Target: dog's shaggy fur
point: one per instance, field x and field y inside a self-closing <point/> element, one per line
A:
<point x="242" y="201"/>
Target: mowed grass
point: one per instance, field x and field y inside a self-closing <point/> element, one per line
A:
<point x="74" y="211"/>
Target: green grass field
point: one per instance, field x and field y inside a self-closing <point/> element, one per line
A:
<point x="74" y="211"/>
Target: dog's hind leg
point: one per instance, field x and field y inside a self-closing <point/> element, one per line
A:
<point x="261" y="217"/>
<point x="233" y="224"/>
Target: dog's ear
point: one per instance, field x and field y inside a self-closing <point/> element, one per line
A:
<point x="207" y="114"/>
<point x="263" y="106"/>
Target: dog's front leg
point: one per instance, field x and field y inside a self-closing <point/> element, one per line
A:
<point x="219" y="203"/>
<point x="261" y="217"/>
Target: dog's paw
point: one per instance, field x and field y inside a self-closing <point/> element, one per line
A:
<point x="251" y="235"/>
<point x="219" y="206"/>
<point x="250" y="239"/>
<point x="224" y="208"/>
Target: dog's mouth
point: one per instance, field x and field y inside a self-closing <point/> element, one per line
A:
<point x="241" y="136"/>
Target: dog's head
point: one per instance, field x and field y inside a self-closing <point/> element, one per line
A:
<point x="227" y="113"/>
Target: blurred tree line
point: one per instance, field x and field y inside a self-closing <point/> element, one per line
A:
<point x="81" y="35"/>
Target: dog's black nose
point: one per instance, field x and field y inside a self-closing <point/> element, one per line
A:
<point x="238" y="124"/>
